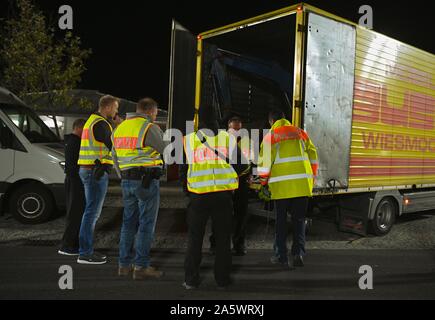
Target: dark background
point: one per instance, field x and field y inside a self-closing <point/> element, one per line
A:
<point x="130" y="39"/>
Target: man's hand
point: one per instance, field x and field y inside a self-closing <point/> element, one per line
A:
<point x="117" y="120"/>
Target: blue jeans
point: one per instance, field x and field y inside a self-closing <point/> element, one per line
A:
<point x="95" y="192"/>
<point x="298" y="208"/>
<point x="141" y="207"/>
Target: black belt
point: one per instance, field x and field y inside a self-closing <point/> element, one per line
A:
<point x="138" y="173"/>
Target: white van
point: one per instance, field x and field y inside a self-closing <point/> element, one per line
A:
<point x="32" y="163"/>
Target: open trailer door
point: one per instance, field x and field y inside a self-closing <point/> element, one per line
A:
<point x="330" y="73"/>
<point x="182" y="77"/>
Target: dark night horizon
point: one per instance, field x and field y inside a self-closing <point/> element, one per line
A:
<point x="131" y="40"/>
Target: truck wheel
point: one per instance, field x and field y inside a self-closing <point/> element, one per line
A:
<point x="31" y="204"/>
<point x="385" y="217"/>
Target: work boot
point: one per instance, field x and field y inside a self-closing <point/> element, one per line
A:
<point x="146" y="273"/>
<point x="124" y="271"/>
<point x="189" y="287"/>
<point x="298" y="261"/>
<point x="281" y="263"/>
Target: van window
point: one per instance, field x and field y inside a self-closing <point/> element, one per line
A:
<point x="29" y="124"/>
<point x="8" y="140"/>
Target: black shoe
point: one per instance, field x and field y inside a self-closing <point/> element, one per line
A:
<point x="68" y="252"/>
<point x="100" y="255"/>
<point x="93" y="259"/>
<point x="189" y="287"/>
<point x="239" y="251"/>
<point x="283" y="264"/>
<point x="298" y="261"/>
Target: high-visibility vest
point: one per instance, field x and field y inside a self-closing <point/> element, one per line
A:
<point x="128" y="140"/>
<point x="288" y="162"/>
<point x="91" y="149"/>
<point x="208" y="172"/>
<point x="244" y="143"/>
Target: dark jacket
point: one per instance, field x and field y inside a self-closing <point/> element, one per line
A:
<point x="72" y="150"/>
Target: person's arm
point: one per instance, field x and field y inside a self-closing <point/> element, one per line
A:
<point x="311" y="150"/>
<point x="103" y="133"/>
<point x="154" y="139"/>
<point x="72" y="151"/>
<point x="265" y="159"/>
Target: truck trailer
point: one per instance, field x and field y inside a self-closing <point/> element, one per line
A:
<point x="366" y="100"/>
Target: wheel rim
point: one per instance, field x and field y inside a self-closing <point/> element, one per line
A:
<point x="31" y="206"/>
<point x="384" y="215"/>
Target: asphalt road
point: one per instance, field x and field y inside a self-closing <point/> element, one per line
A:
<point x="32" y="273"/>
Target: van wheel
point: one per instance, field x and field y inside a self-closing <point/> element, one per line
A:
<point x="31" y="204"/>
<point x="385" y="217"/>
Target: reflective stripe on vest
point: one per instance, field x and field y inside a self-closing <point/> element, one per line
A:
<point x="128" y="141"/>
<point x="287" y="167"/>
<point x="91" y="149"/>
<point x="290" y="160"/>
<point x="209" y="173"/>
<point x="290" y="177"/>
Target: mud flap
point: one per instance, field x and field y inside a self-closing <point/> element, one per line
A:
<point x="354" y="214"/>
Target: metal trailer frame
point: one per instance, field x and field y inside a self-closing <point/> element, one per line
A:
<point x="404" y="195"/>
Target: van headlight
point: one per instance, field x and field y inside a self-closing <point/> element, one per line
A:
<point x="62" y="165"/>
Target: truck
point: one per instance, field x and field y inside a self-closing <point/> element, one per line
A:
<point x="366" y="100"/>
<point x="32" y="163"/>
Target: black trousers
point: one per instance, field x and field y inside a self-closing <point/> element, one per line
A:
<point x="218" y="206"/>
<point x="241" y="216"/>
<point x="75" y="206"/>
<point x="297" y="207"/>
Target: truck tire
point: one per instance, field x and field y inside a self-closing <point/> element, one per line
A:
<point x="31" y="204"/>
<point x="385" y="217"/>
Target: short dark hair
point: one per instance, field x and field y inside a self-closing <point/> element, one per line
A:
<point x="235" y="119"/>
<point x="79" y="123"/>
<point x="276" y="114"/>
<point x="146" y="104"/>
<point x="107" y="100"/>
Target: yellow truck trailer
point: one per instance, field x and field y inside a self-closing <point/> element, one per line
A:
<point x="366" y="100"/>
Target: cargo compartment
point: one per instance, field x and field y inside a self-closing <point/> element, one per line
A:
<point x="247" y="72"/>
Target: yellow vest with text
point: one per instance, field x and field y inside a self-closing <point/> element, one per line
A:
<point x="128" y="144"/>
<point x="208" y="172"/>
<point x="91" y="149"/>
<point x="288" y="162"/>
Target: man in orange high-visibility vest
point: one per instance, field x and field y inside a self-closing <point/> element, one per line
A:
<point x="288" y="165"/>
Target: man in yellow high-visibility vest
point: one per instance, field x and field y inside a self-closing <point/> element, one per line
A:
<point x="95" y="155"/>
<point x="211" y="180"/>
<point x="138" y="145"/>
<point x="288" y="165"/>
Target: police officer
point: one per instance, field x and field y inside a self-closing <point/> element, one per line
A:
<point x="241" y="195"/>
<point x="211" y="181"/>
<point x="288" y="165"/>
<point x="138" y="145"/>
<point x="95" y="160"/>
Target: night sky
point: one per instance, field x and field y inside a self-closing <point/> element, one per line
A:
<point x="131" y="39"/>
